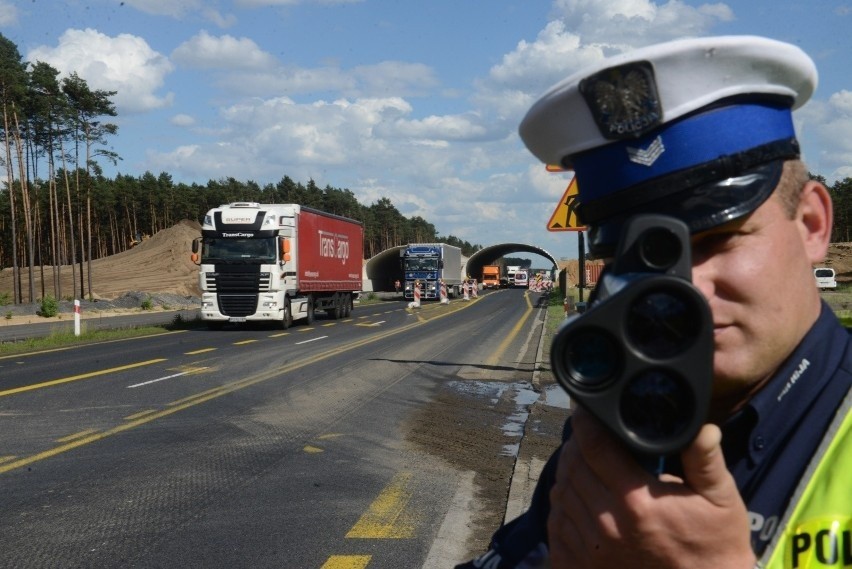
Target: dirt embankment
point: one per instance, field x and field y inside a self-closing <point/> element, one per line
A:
<point x="160" y="264"/>
<point x="156" y="274"/>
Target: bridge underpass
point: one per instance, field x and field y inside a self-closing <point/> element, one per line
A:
<point x="383" y="269"/>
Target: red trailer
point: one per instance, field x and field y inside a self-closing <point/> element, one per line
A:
<point x="593" y="272"/>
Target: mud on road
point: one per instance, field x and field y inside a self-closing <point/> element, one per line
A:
<point x="500" y="422"/>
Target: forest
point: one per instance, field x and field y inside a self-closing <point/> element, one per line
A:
<point x="57" y="209"/>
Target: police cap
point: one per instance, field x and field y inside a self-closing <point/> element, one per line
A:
<point x="695" y="128"/>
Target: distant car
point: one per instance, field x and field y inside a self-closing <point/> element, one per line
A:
<point x="504" y="282"/>
<point x="825" y="277"/>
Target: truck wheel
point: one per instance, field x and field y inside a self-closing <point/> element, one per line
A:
<point x="287" y="321"/>
<point x="347" y="306"/>
<point x="310" y="317"/>
<point x="337" y="312"/>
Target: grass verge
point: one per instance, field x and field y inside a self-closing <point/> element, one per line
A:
<point x="67" y="338"/>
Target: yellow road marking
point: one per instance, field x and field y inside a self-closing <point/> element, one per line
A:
<point x="310" y="449"/>
<point x="79" y="435"/>
<point x="386" y="518"/>
<point x="495" y="357"/>
<point x="328" y="436"/>
<point x="78" y="377"/>
<point x="279" y="335"/>
<point x="7" y="458"/>
<point x="244" y="342"/>
<point x="329" y="324"/>
<point x="196" y="352"/>
<point x="140" y="414"/>
<point x="346" y="562"/>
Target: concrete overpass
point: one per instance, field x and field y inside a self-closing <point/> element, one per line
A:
<point x="382" y="270"/>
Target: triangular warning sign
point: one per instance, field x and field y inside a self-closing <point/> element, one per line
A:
<point x="564" y="218"/>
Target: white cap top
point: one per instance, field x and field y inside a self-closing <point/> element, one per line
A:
<point x="687" y="75"/>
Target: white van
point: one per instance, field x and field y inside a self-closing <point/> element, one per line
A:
<point x="825" y="277"/>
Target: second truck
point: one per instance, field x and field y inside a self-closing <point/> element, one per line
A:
<point x="429" y="264"/>
<point x="277" y="262"/>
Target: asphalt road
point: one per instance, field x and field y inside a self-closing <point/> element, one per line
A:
<point x="389" y="439"/>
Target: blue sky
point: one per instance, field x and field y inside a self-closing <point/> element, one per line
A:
<point x="415" y="101"/>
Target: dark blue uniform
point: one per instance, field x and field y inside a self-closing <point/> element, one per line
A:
<point x="767" y="445"/>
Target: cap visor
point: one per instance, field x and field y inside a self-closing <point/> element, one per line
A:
<point x="701" y="207"/>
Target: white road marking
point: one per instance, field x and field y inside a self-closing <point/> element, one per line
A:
<point x="311" y="340"/>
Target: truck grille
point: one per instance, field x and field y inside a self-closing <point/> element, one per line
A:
<point x="237" y="288"/>
<point x="237" y="304"/>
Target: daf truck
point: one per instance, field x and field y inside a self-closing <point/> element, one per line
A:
<point x="277" y="262"/>
<point x="428" y="264"/>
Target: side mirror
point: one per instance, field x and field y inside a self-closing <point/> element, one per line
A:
<point x="285" y="250"/>
<point x="195" y="246"/>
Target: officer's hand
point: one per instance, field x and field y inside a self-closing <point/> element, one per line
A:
<point x="606" y="511"/>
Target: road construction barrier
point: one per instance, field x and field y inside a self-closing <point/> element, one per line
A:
<point x="444" y="298"/>
<point x="416" y="302"/>
<point x="466" y="294"/>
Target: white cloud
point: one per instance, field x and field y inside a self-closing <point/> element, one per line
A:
<point x="842" y="102"/>
<point x="638" y="22"/>
<point x="182" y="120"/>
<point x="204" y="51"/>
<point x="585" y="31"/>
<point x="446" y="128"/>
<point x="832" y="122"/>
<point x="534" y="66"/>
<point x="125" y="64"/>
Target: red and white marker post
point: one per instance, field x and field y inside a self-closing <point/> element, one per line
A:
<point x="76" y="317"/>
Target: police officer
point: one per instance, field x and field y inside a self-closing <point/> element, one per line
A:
<point x="701" y="130"/>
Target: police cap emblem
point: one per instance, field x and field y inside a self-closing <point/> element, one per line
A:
<point x="623" y="100"/>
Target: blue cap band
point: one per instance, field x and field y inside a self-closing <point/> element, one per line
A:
<point x="684" y="144"/>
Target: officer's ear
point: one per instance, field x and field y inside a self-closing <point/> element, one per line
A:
<point x="814" y="216"/>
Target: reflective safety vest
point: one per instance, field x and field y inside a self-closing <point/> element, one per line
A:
<point x="816" y="531"/>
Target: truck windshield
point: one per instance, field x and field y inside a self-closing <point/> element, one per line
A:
<point x="418" y="264"/>
<point x="238" y="250"/>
